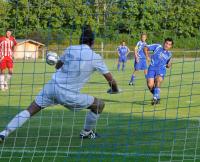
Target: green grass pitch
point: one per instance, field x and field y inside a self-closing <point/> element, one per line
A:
<point x="131" y="129"/>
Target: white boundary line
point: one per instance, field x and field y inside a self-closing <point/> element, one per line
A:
<point x="99" y="153"/>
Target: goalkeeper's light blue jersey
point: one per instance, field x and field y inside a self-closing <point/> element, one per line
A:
<point x="140" y="46"/>
<point x="160" y="56"/>
<point x="79" y="63"/>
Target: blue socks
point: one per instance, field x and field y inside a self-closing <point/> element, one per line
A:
<point x="132" y="78"/>
<point x="156" y="93"/>
<point x="152" y="91"/>
<point x="118" y="67"/>
<point x="123" y="66"/>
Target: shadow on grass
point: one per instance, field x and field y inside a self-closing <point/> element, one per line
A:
<point x="146" y="102"/>
<point x="55" y="134"/>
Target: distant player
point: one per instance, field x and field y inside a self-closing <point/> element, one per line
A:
<point x="140" y="58"/>
<point x="74" y="69"/>
<point x="7" y="44"/>
<point x="160" y="60"/>
<point x="123" y="51"/>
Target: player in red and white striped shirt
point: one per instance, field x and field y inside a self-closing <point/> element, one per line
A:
<point x="7" y="44"/>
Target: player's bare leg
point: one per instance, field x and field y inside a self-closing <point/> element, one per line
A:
<point x="9" y="75"/>
<point x="19" y="120"/>
<point x="151" y="84"/>
<point x="91" y="119"/>
<point x="145" y="73"/>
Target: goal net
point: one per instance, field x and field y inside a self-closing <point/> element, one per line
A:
<point x="130" y="128"/>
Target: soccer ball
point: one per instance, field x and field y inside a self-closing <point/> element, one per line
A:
<point x="51" y="58"/>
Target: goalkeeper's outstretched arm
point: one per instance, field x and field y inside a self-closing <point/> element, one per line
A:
<point x="111" y="81"/>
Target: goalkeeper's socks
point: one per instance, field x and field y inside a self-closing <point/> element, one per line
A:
<point x="156" y="93"/>
<point x="91" y="120"/>
<point x="16" y="122"/>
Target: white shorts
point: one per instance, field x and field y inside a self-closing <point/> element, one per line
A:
<point x="51" y="94"/>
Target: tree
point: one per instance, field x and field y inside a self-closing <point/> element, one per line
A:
<point x="4" y="20"/>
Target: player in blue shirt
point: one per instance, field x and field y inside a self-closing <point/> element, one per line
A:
<point x="160" y="60"/>
<point x="123" y="51"/>
<point x="74" y="69"/>
<point x="140" y="58"/>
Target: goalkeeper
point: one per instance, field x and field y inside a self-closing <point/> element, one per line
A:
<point x="73" y="70"/>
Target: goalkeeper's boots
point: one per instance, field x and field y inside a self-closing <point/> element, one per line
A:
<point x="155" y="101"/>
<point x="88" y="134"/>
<point x="2" y="137"/>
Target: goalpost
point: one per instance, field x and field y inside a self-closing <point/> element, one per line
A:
<point x="131" y="129"/>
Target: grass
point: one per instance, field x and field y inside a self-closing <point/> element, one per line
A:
<point x="131" y="129"/>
